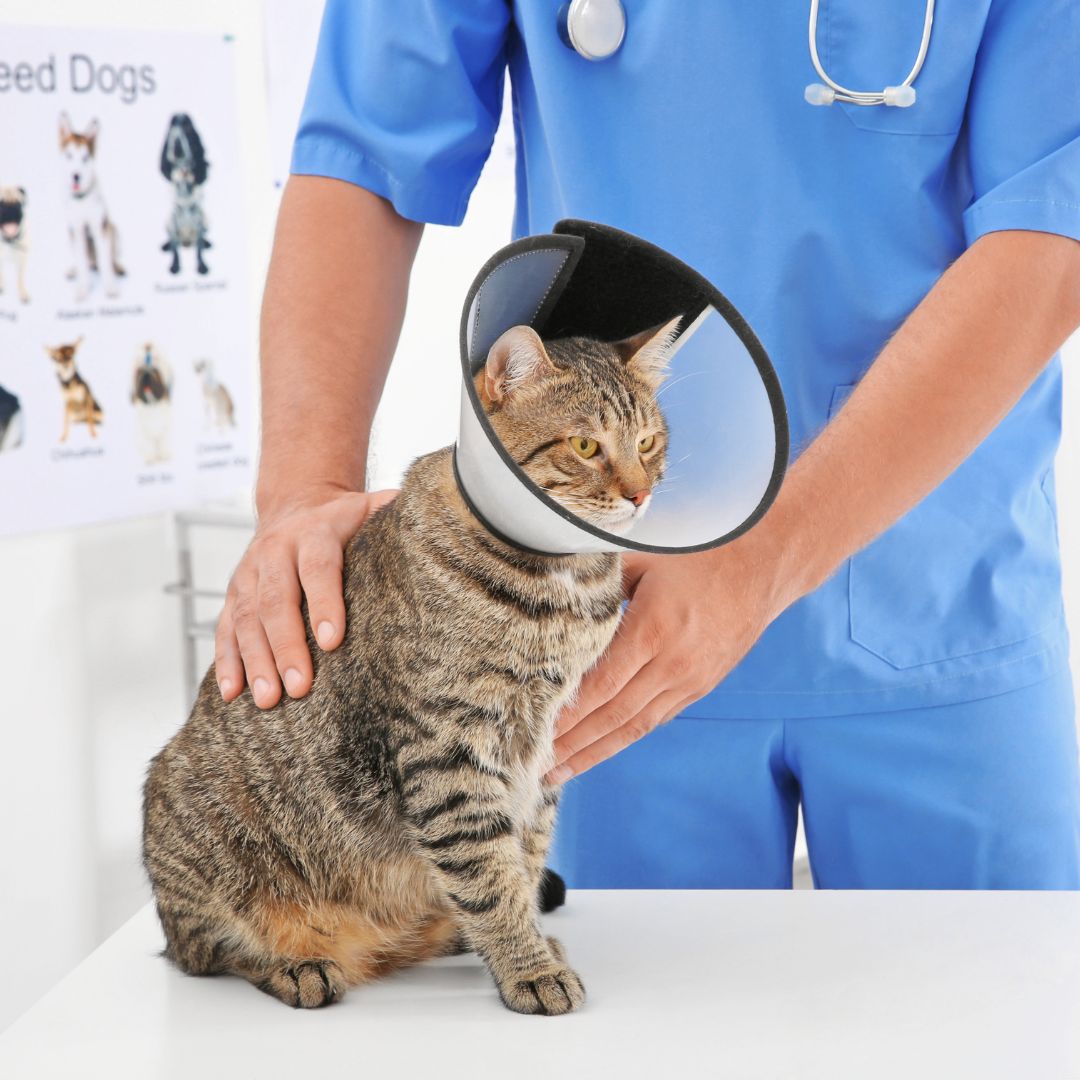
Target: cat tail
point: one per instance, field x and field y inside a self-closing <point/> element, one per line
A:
<point x="552" y="891"/>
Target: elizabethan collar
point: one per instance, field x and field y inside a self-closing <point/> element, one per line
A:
<point x="728" y="435"/>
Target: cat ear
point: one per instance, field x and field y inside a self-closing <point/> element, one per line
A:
<point x="647" y="353"/>
<point x="515" y="359"/>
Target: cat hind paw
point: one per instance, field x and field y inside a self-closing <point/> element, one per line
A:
<point x="308" y="984"/>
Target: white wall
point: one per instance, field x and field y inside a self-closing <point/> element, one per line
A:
<point x="89" y="643"/>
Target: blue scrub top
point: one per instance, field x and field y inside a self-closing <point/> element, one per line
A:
<point x="825" y="227"/>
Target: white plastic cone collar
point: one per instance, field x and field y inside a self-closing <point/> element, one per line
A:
<point x="728" y="439"/>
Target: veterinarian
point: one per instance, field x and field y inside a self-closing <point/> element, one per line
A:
<point x="887" y="648"/>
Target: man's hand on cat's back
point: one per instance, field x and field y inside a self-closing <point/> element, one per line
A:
<point x="296" y="552"/>
<point x="690" y="620"/>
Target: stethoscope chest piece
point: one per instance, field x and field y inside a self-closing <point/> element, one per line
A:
<point x="594" y="29"/>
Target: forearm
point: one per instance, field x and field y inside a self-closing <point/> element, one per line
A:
<point x="332" y="312"/>
<point x="951" y="373"/>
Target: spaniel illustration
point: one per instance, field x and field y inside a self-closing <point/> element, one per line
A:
<point x="184" y="165"/>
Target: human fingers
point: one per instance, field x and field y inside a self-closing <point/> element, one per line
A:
<point x="320" y="563"/>
<point x="278" y="595"/>
<point x="659" y="711"/>
<point x="613" y="714"/>
<point x="255" y="652"/>
<point x="630" y="650"/>
<point x="228" y="667"/>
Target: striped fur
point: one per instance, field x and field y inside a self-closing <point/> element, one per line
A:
<point x="397" y="812"/>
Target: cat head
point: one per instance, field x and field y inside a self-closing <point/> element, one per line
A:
<point x="581" y="418"/>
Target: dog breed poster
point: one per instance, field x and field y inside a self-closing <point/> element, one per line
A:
<point x="126" y="361"/>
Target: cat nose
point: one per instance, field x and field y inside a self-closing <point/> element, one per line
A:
<point x="638" y="497"/>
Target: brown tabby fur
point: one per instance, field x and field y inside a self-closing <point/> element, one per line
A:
<point x="398" y="811"/>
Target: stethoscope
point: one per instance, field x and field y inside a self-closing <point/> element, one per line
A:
<point x="595" y="30"/>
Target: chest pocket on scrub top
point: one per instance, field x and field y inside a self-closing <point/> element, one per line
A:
<point x="975" y="566"/>
<point x="871" y="44"/>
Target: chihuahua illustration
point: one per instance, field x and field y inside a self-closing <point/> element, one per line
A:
<point x="80" y="405"/>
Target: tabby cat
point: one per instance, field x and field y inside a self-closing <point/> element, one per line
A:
<point x="398" y="811"/>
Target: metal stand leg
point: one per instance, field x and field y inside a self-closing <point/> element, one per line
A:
<point x="192" y="628"/>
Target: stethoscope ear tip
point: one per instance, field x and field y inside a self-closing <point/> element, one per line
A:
<point x="819" y="94"/>
<point x="901" y="96"/>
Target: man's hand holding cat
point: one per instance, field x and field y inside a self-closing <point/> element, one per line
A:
<point x="297" y="551"/>
<point x="690" y="620"/>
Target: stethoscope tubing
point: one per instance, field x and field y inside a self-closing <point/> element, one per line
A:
<point x="867" y="97"/>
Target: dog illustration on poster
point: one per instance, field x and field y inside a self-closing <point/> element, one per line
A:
<point x="11" y="421"/>
<point x="217" y="400"/>
<point x="184" y="165"/>
<point x="14" y="245"/>
<point x="80" y="405"/>
<point x="151" y="395"/>
<point x="95" y="241"/>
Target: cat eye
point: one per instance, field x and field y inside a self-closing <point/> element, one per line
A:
<point x="584" y="446"/>
<point x="646" y="444"/>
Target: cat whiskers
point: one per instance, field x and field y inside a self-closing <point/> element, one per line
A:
<point x="675" y="382"/>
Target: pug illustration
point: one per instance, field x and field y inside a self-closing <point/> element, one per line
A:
<point x="14" y="244"/>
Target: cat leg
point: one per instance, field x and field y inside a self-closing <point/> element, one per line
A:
<point x="535" y="842"/>
<point x="474" y="850"/>
<point x="308" y="953"/>
<point x="203" y="937"/>
<point x="195" y="938"/>
<point x="201" y="945"/>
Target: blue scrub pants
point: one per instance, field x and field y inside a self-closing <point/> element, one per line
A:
<point x="980" y="795"/>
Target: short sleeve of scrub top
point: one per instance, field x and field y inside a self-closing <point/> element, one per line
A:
<point x="1024" y="120"/>
<point x="404" y="100"/>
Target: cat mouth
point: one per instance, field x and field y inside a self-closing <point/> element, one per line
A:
<point x="618" y="521"/>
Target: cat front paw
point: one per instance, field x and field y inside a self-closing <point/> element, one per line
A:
<point x="552" y="991"/>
